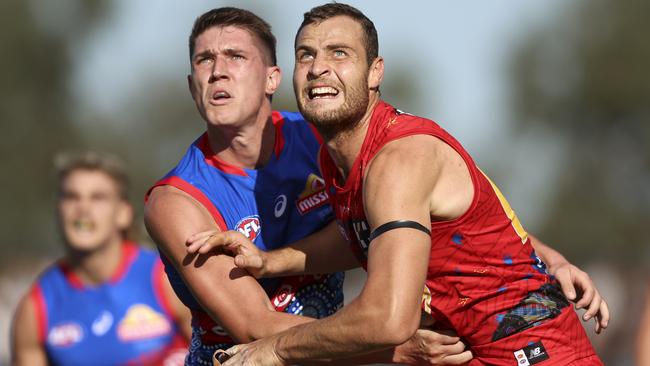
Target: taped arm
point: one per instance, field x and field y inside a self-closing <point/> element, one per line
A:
<point x="227" y="293"/>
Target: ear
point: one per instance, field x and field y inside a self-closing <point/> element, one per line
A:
<point x="273" y="79"/>
<point x="124" y="216"/>
<point x="376" y="74"/>
<point x="190" y="85"/>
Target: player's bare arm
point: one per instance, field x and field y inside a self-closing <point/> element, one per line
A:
<point x="181" y="313"/>
<point x="425" y="347"/>
<point x="576" y="284"/>
<point x="245" y="312"/>
<point x="387" y="312"/>
<point x="26" y="347"/>
<point x="325" y="251"/>
<point x="643" y="334"/>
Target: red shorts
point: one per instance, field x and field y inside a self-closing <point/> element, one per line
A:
<point x="558" y="341"/>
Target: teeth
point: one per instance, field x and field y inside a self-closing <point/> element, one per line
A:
<point x="322" y="91"/>
<point x="83" y="224"/>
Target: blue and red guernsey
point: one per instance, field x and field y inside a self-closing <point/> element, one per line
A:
<point x="484" y="279"/>
<point x="277" y="204"/>
<point x="125" y="321"/>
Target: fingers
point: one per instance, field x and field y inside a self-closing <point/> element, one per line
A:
<point x="201" y="235"/>
<point x="588" y="297"/>
<point x="444" y="337"/>
<point x="228" y="358"/>
<point x="219" y="357"/>
<point x="602" y="318"/>
<point x="207" y="241"/>
<point x="594" y="306"/>
<point x="457" y="359"/>
<point x="563" y="276"/>
<point x="251" y="261"/>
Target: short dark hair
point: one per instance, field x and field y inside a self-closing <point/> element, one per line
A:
<point x="67" y="163"/>
<point x="327" y="11"/>
<point x="229" y="16"/>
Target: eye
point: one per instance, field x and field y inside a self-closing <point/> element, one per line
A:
<point x="203" y="60"/>
<point x="304" y="56"/>
<point x="237" y="57"/>
<point x="340" y="53"/>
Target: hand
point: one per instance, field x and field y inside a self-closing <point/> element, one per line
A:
<point x="432" y="347"/>
<point x="247" y="255"/>
<point x="258" y="353"/>
<point x="578" y="287"/>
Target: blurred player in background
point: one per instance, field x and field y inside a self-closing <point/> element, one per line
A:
<point x="108" y="300"/>
<point x="643" y="334"/>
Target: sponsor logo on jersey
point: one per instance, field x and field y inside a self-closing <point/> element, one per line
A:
<point x="249" y="226"/>
<point x="142" y="322"/>
<point x="531" y="354"/>
<point x="65" y="335"/>
<point x="102" y="324"/>
<point x="280" y="205"/>
<point x="314" y="195"/>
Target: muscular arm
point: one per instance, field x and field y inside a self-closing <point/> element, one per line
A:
<point x="322" y="252"/>
<point x="249" y="312"/>
<point x="227" y="293"/>
<point x="387" y="312"/>
<point x="180" y="312"/>
<point x="325" y="251"/>
<point x="26" y="349"/>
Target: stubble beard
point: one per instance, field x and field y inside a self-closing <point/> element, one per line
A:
<point x="330" y="123"/>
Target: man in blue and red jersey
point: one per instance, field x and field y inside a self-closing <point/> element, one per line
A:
<point x="437" y="238"/>
<point x="107" y="301"/>
<point x="254" y="170"/>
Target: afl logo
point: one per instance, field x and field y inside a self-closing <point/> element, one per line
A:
<point x="65" y="335"/>
<point x="250" y="227"/>
<point x="282" y="297"/>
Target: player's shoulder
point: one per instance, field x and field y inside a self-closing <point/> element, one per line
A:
<point x="168" y="199"/>
<point x="410" y="147"/>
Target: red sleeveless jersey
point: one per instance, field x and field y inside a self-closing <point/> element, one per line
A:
<point x="484" y="279"/>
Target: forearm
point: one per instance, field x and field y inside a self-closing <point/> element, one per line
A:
<point x="228" y="294"/>
<point x="322" y="252"/>
<point x="547" y="254"/>
<point x="350" y="334"/>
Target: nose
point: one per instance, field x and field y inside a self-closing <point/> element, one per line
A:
<point x="318" y="67"/>
<point x="219" y="69"/>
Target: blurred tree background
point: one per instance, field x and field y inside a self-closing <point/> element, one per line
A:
<point x="584" y="82"/>
<point x="578" y="88"/>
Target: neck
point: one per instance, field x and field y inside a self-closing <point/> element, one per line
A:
<point x="344" y="147"/>
<point x="247" y="145"/>
<point x="97" y="266"/>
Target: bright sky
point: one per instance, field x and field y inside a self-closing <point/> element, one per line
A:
<point x="455" y="50"/>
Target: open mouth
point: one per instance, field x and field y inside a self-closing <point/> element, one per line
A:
<point x="322" y="92"/>
<point x="83" y="224"/>
<point x="220" y="95"/>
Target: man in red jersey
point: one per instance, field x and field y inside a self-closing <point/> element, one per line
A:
<point x="438" y="239"/>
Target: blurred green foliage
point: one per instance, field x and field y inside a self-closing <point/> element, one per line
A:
<point x="585" y="81"/>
